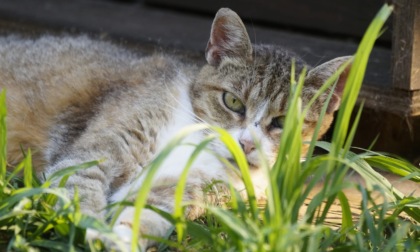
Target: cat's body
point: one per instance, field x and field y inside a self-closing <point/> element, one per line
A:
<point x="73" y="100"/>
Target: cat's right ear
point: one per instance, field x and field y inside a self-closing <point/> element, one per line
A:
<point x="318" y="75"/>
<point x="228" y="38"/>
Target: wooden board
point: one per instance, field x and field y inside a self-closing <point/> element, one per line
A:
<point x="355" y="197"/>
<point x="406" y="45"/>
<point x="334" y="17"/>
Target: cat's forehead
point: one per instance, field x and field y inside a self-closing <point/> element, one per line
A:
<point x="270" y="64"/>
<point x="277" y="55"/>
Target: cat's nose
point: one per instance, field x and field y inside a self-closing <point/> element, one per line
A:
<point x="248" y="146"/>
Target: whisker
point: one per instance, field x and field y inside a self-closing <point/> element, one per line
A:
<point x="195" y="118"/>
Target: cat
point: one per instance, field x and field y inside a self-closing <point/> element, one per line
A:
<point x="76" y="99"/>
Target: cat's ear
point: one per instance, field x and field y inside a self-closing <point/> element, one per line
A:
<point x="228" y="38"/>
<point x="318" y="75"/>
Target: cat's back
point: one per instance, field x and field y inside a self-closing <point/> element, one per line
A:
<point x="49" y="73"/>
<point x="46" y="75"/>
<point x="59" y="62"/>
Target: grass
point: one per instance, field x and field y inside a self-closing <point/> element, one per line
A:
<point x="35" y="217"/>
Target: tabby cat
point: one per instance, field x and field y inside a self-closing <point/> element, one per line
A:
<point x="75" y="99"/>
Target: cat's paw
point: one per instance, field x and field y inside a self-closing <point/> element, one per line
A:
<point x="125" y="233"/>
<point x="112" y="241"/>
<point x="151" y="224"/>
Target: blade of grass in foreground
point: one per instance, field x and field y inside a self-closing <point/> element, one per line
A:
<point x="179" y="191"/>
<point x="398" y="167"/>
<point x="372" y="177"/>
<point x="27" y="170"/>
<point x="342" y="139"/>
<point x="142" y="194"/>
<point x="355" y="80"/>
<point x="287" y="168"/>
<point x="242" y="163"/>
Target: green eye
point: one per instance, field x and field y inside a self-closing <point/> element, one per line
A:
<point x="277" y="122"/>
<point x="233" y="103"/>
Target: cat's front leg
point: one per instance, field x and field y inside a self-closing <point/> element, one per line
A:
<point x="91" y="184"/>
<point x="151" y="223"/>
<point x="161" y="196"/>
<point x="94" y="184"/>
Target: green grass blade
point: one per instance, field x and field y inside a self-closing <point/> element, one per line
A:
<point x="395" y="166"/>
<point x="287" y="167"/>
<point x="15" y="172"/>
<point x="71" y="170"/>
<point x="179" y="191"/>
<point x="142" y="194"/>
<point x="64" y="175"/>
<point x="22" y="193"/>
<point x="50" y="245"/>
<point x="242" y="163"/>
<point x="346" y="216"/>
<point x="235" y="224"/>
<point x="355" y="78"/>
<point x="27" y="170"/>
<point x="352" y="133"/>
<point x="327" y="85"/>
<point x="372" y="177"/>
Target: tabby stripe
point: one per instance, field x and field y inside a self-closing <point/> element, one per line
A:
<point x="137" y="134"/>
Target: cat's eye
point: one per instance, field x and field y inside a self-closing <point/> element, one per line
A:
<point x="233" y="103"/>
<point x="277" y="122"/>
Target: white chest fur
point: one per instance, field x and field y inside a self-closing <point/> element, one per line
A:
<point x="174" y="164"/>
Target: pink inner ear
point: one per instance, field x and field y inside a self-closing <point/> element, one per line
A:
<point x="212" y="56"/>
<point x="338" y="91"/>
<point x="220" y="33"/>
<point x="218" y="40"/>
<point x="341" y="83"/>
<point x="228" y="38"/>
<point x="334" y="104"/>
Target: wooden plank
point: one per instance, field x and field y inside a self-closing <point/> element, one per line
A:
<point x="354" y="197"/>
<point x="406" y="45"/>
<point x="415" y="103"/>
<point x="329" y="17"/>
<point x="390" y="132"/>
<point x="415" y="71"/>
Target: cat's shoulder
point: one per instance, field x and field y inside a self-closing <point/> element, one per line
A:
<point x="60" y="42"/>
<point x="76" y="46"/>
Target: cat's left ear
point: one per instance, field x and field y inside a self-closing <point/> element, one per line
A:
<point x="228" y="38"/>
<point x="318" y="75"/>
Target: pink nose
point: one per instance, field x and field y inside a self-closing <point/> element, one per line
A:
<point x="247" y="145"/>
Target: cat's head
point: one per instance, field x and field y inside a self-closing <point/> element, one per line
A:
<point x="244" y="89"/>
